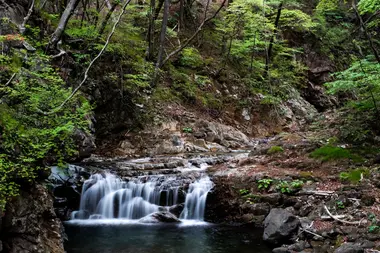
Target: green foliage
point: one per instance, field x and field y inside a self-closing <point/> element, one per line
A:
<point x="361" y="79"/>
<point x="30" y="140"/>
<point x="264" y="184"/>
<point x="190" y="57"/>
<point x="340" y="204"/>
<point x="373" y="228"/>
<point x="274" y="150"/>
<point x="330" y="153"/>
<point x="354" y="176"/>
<point x="187" y="130"/>
<point x="283" y="187"/>
<point x="296" y="184"/>
<point x="368" y="6"/>
<point x="243" y="192"/>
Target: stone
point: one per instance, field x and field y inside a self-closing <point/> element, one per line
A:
<point x="368" y="200"/>
<point x="176" y="209"/>
<point x="349" y="248"/>
<point x="281" y="250"/>
<point x="299" y="246"/>
<point x="158" y="217"/>
<point x="274" y="199"/>
<point x="279" y="226"/>
<point x="31" y="224"/>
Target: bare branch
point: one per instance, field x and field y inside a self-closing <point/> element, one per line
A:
<point x="343" y="221"/>
<point x="90" y="65"/>
<point x="22" y="26"/>
<point x="205" y="20"/>
<point x="10" y="79"/>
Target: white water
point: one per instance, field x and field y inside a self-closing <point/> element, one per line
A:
<point x="195" y="202"/>
<point x="106" y="196"/>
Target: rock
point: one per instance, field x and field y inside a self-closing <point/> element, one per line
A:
<point x="85" y="142"/>
<point x="367" y="244"/>
<point x="177" y="209"/>
<point x="274" y="199"/>
<point x="299" y="246"/>
<point x="158" y="217"/>
<point x="30" y="223"/>
<point x="256" y="209"/>
<point x="279" y="226"/>
<point x="349" y="248"/>
<point x="281" y="250"/>
<point x="368" y="200"/>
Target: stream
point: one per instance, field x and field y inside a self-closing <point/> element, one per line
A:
<point x="149" y="205"/>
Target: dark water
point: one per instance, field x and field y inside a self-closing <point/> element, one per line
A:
<point x="135" y="238"/>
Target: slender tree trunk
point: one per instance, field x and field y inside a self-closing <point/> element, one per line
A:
<point x="150" y="35"/>
<point x="62" y="23"/>
<point x="181" y="14"/>
<point x="270" y="48"/>
<point x="163" y="34"/>
<point x="253" y="52"/>
<point x="107" y="18"/>
<point x="368" y="35"/>
<point x="158" y="9"/>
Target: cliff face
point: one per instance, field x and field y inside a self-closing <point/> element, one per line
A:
<point x="30" y="225"/>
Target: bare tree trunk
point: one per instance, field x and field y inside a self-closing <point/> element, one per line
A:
<point x="158" y="9"/>
<point x="181" y="14"/>
<point x="107" y="18"/>
<point x="62" y="23"/>
<point x="150" y="35"/>
<point x="200" y="27"/>
<point x="368" y="35"/>
<point x="270" y="48"/>
<point x="163" y="34"/>
<point x="26" y="18"/>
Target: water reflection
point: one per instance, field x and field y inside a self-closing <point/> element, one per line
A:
<point x="135" y="238"/>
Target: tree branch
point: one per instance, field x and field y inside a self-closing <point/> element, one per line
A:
<point x="22" y="26"/>
<point x="10" y="79"/>
<point x="205" y="20"/>
<point x="343" y="221"/>
<point x="90" y="65"/>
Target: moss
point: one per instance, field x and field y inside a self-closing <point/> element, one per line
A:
<point x="354" y="176"/>
<point x="275" y="150"/>
<point x="331" y="153"/>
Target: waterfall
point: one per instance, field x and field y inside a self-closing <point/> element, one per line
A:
<point x="106" y="196"/>
<point x="195" y="202"/>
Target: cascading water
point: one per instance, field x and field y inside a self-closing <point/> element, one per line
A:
<point x="106" y="196"/>
<point x="195" y="202"/>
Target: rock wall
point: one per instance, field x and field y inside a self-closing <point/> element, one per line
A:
<point x="29" y="224"/>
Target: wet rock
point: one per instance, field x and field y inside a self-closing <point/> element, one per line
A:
<point x="279" y="226"/>
<point x="349" y="248"/>
<point x="86" y="143"/>
<point x="176" y="210"/>
<point x="158" y="217"/>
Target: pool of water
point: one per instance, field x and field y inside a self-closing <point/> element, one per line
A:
<point x="190" y="237"/>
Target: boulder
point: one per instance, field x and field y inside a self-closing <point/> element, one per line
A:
<point x="158" y="217"/>
<point x="176" y="209"/>
<point x="279" y="226"/>
<point x="31" y="224"/>
<point x="349" y="248"/>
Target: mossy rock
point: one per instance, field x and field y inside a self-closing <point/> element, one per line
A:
<point x="275" y="150"/>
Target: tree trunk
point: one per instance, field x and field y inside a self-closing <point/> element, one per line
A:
<point x="368" y="35"/>
<point x="150" y="35"/>
<point x="62" y="23"/>
<point x="181" y="14"/>
<point x="163" y="34"/>
<point x="106" y="19"/>
<point x="158" y="9"/>
<point x="270" y="48"/>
